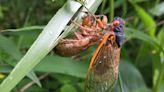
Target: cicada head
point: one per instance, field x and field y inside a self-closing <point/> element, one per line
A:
<point x="118" y="29"/>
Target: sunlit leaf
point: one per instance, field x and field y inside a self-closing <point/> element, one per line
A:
<point x="158" y="10"/>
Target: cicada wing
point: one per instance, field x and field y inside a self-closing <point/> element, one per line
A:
<point x="104" y="71"/>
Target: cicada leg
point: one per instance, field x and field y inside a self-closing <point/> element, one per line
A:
<point x="78" y="35"/>
<point x="84" y="30"/>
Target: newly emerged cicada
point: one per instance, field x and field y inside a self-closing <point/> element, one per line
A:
<point x="103" y="70"/>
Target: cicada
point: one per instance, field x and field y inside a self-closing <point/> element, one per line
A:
<point x="89" y="34"/>
<point x="103" y="70"/>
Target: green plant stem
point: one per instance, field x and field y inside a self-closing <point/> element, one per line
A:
<point x="120" y="82"/>
<point x="161" y="75"/>
<point x="111" y="9"/>
<point x="24" y="29"/>
<point x="25" y="23"/>
<point x="103" y="6"/>
<point x="124" y="8"/>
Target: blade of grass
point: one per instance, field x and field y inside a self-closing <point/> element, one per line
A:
<point x="133" y="33"/>
<point x="158" y="10"/>
<point x="159" y="76"/>
<point x="6" y="45"/>
<point x="103" y="6"/>
<point x="158" y="82"/>
<point x="148" y="21"/>
<point x="124" y="8"/>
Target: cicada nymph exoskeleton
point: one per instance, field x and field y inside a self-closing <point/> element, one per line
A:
<point x="89" y="34"/>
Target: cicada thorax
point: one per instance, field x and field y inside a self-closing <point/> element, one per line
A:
<point x="103" y="70"/>
<point x="88" y="20"/>
<point x="96" y="21"/>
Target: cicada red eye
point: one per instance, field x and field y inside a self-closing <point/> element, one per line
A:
<point x="116" y="23"/>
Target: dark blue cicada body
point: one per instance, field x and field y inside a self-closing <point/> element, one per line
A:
<point x="118" y="24"/>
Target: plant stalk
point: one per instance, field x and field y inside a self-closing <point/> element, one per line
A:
<point x="111" y="9"/>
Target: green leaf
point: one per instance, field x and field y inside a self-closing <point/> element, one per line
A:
<point x="133" y="33"/>
<point x="68" y="88"/>
<point x="159" y="67"/>
<point x="154" y="57"/>
<point x="132" y="79"/>
<point x="62" y="65"/>
<point x="5" y="68"/>
<point x="158" y="10"/>
<point x="158" y="87"/>
<point x="9" y="47"/>
<point x="160" y="36"/>
<point x="33" y="76"/>
<point x="138" y="1"/>
<point x="148" y="21"/>
<point x="143" y="90"/>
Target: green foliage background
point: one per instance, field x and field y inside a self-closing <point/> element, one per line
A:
<point x="142" y="56"/>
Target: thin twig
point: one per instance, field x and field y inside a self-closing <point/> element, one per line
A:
<point x="24" y="88"/>
<point x="23" y="29"/>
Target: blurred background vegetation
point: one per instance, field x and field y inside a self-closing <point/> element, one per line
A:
<point x="142" y="56"/>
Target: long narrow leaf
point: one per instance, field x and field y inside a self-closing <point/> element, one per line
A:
<point x="148" y="21"/>
<point x="133" y="33"/>
<point x="6" y="44"/>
